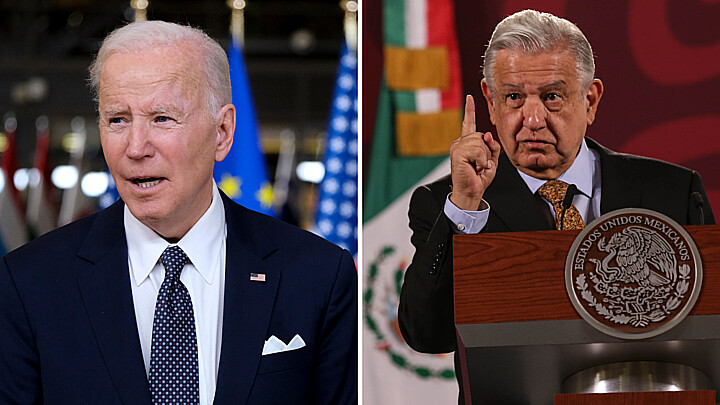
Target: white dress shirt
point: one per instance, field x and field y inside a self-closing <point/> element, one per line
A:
<point x="584" y="173"/>
<point x="204" y="278"/>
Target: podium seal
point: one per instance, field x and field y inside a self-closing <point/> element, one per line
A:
<point x="633" y="273"/>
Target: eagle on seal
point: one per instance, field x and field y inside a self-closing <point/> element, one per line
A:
<point x="642" y="255"/>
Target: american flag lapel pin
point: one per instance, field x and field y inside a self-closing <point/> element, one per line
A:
<point x="257" y="277"/>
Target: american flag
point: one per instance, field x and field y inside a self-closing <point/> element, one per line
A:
<point x="257" y="277"/>
<point x="337" y="217"/>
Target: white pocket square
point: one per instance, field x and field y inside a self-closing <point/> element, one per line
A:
<point x="275" y="345"/>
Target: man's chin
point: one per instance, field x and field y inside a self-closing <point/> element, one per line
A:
<point x="540" y="166"/>
<point x="146" y="214"/>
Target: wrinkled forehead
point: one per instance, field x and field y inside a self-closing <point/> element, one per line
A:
<point x="549" y="58"/>
<point x="549" y="65"/>
<point x="178" y="63"/>
<point x="166" y="74"/>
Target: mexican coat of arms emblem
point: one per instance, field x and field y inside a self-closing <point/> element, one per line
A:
<point x="633" y="273"/>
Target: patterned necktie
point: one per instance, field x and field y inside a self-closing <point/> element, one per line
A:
<point x="174" y="355"/>
<point x="554" y="191"/>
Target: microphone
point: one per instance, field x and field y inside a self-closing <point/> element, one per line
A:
<point x="567" y="202"/>
<point x="699" y="204"/>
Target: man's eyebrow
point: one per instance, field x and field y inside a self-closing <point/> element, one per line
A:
<point x="163" y="110"/>
<point x="112" y="111"/>
<point x="554" y="85"/>
<point x="510" y="86"/>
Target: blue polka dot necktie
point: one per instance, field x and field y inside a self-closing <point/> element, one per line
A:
<point x="174" y="355"/>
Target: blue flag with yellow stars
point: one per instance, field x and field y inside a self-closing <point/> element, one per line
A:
<point x="110" y="195"/>
<point x="243" y="175"/>
<point x="336" y="218"/>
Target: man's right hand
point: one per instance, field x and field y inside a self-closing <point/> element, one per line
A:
<point x="473" y="160"/>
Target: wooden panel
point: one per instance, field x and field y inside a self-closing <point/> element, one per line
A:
<point x="639" y="398"/>
<point x="520" y="276"/>
<point x="707" y="239"/>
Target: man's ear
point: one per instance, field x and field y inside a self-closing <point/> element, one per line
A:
<point x="488" y="98"/>
<point x="225" y="128"/>
<point x="592" y="99"/>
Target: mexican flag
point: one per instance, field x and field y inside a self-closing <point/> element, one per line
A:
<point x="418" y="116"/>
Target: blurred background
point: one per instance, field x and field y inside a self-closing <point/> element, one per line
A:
<point x="53" y="167"/>
<point x="658" y="59"/>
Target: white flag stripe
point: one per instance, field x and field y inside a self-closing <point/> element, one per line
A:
<point x="427" y="101"/>
<point x="416" y="24"/>
<point x="384" y="382"/>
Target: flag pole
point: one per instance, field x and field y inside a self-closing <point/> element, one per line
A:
<point x="284" y="169"/>
<point x="140" y="7"/>
<point x="9" y="159"/>
<point x="243" y="175"/>
<point x="237" y="21"/>
<point x="13" y="229"/>
<point x="351" y="24"/>
<point x="40" y="214"/>
<point x="69" y="206"/>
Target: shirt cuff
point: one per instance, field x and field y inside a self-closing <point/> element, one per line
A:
<point x="467" y="222"/>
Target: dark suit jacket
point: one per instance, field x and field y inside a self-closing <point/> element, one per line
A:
<point x="426" y="301"/>
<point x="68" y="333"/>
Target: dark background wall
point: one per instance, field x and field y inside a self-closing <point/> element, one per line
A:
<point x="659" y="61"/>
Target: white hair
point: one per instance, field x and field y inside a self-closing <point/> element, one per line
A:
<point x="534" y="32"/>
<point x="148" y="35"/>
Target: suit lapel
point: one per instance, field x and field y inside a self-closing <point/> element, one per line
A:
<point x="512" y="202"/>
<point x="620" y="186"/>
<point x="510" y="198"/>
<point x="105" y="288"/>
<point x="248" y="304"/>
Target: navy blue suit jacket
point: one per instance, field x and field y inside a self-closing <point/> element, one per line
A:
<point x="68" y="333"/>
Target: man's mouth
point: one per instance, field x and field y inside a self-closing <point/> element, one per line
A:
<point x="535" y="140"/>
<point x="536" y="143"/>
<point x="147" y="182"/>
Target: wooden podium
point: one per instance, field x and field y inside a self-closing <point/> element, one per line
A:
<point x="520" y="337"/>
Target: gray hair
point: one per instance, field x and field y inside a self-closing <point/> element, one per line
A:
<point x="148" y="35"/>
<point x="534" y="32"/>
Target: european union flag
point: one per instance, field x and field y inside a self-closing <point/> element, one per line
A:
<point x="243" y="175"/>
<point x="337" y="216"/>
<point x="110" y="195"/>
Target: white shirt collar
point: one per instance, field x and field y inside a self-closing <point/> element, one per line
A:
<point x="201" y="243"/>
<point x="581" y="173"/>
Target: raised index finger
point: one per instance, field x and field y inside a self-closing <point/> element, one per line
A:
<point x="468" y="124"/>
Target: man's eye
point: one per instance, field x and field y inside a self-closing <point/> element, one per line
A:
<point x="115" y="120"/>
<point x="553" y="97"/>
<point x="513" y="96"/>
<point x="163" y="118"/>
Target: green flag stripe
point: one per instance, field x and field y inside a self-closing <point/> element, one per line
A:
<point x="403" y="101"/>
<point x="389" y="175"/>
<point x="394" y="22"/>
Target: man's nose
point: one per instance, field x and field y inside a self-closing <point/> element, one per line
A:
<point x="534" y="114"/>
<point x="138" y="142"/>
